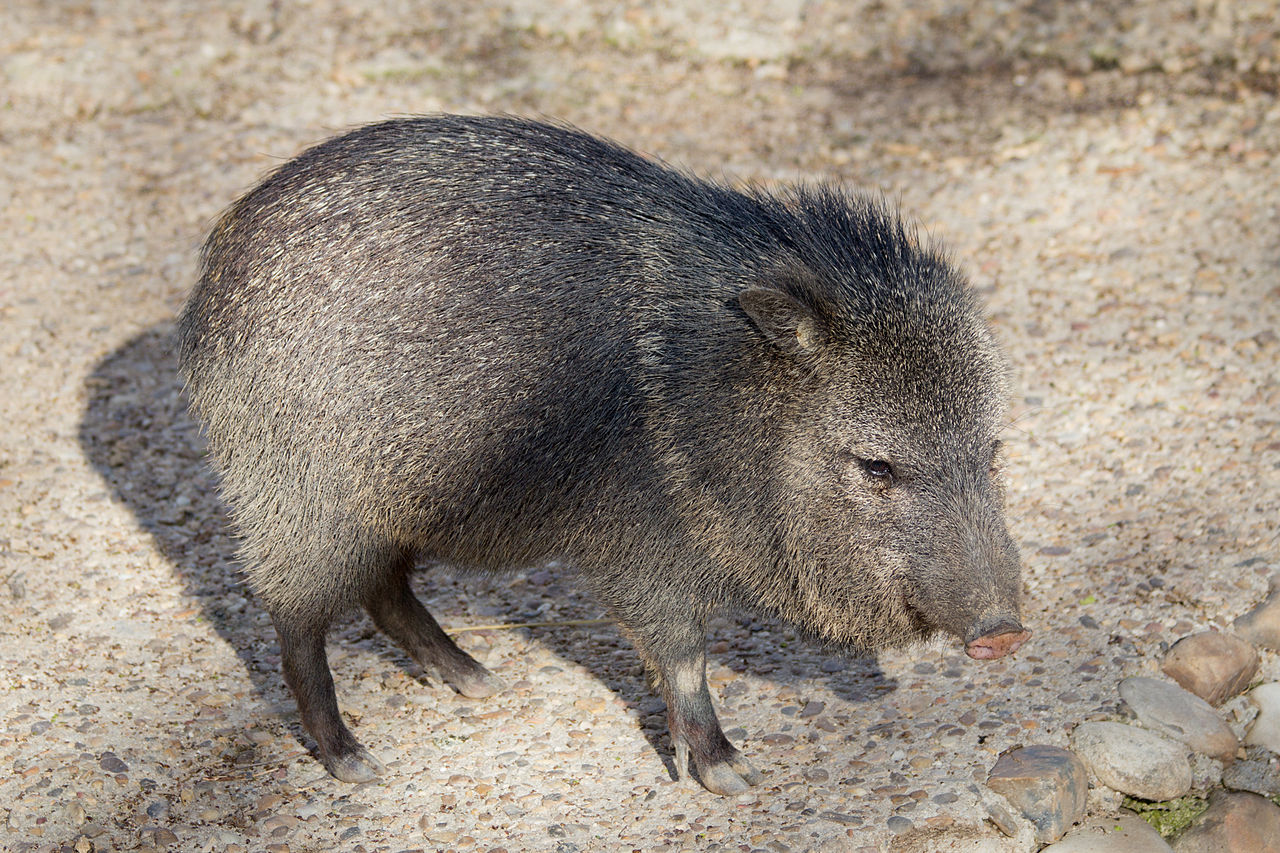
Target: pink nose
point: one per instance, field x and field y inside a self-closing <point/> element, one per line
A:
<point x="995" y="646"/>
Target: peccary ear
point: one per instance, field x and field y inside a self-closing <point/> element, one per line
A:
<point x="788" y="323"/>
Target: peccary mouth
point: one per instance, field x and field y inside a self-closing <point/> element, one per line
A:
<point x="1003" y="638"/>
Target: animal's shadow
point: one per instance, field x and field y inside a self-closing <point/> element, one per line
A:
<point x="137" y="434"/>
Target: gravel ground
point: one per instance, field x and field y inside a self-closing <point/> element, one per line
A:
<point x="1106" y="175"/>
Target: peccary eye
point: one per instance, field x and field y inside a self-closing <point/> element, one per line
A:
<point x="877" y="468"/>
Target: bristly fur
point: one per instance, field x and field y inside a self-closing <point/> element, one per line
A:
<point x="486" y="342"/>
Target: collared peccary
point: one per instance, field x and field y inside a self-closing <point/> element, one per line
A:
<point x="487" y="342"/>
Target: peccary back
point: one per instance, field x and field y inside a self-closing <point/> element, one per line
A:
<point x="487" y="342"/>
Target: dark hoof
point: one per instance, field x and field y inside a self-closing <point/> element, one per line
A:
<point x="479" y="684"/>
<point x="732" y="775"/>
<point x="746" y="769"/>
<point x="722" y="779"/>
<point x="357" y="766"/>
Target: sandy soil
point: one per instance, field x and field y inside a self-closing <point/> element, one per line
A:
<point x="1107" y="176"/>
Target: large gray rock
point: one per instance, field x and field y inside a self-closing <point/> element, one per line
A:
<point x="1048" y="784"/>
<point x="1261" y="625"/>
<point x="1234" y="823"/>
<point x="1133" y="761"/>
<point x="1211" y="665"/>
<point x="1166" y="708"/>
<point x="1265" y="730"/>
<point x="1125" y="834"/>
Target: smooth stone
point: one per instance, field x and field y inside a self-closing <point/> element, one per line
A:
<point x="1261" y="625"/>
<point x="1234" y="823"/>
<point x="1048" y="784"/>
<point x="898" y="824"/>
<point x="1166" y="708"/>
<point x="158" y="836"/>
<point x="1133" y="761"/>
<point x="1265" y="730"/>
<point x="1212" y="665"/>
<point x="1125" y="834"/>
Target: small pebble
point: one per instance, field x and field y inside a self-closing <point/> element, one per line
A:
<point x="842" y="818"/>
<point x="899" y="824"/>
<point x="158" y="836"/>
<point x="1004" y="819"/>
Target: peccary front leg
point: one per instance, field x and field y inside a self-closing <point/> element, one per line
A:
<point x="306" y="671"/>
<point x="399" y="614"/>
<point x="678" y="659"/>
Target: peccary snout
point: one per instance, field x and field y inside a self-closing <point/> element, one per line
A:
<point x="967" y="575"/>
<point x="997" y="640"/>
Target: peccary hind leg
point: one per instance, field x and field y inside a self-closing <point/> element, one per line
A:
<point x="679" y="660"/>
<point x="306" y="671"/>
<point x="399" y="614"/>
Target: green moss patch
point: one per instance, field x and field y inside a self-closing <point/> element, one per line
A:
<point x="1169" y="818"/>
